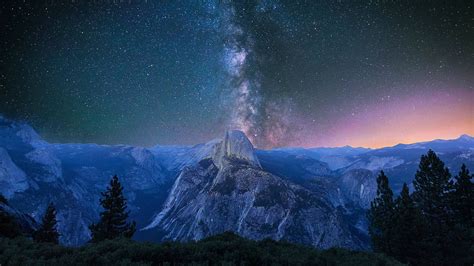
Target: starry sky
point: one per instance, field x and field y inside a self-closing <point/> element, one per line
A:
<point x="287" y="73"/>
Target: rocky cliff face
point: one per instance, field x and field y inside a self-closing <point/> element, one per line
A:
<point x="26" y="223"/>
<point x="34" y="173"/>
<point x="231" y="192"/>
<point x="12" y="178"/>
<point x="358" y="187"/>
<point x="188" y="192"/>
<point x="234" y="147"/>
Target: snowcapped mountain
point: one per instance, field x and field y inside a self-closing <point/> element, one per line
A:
<point x="313" y="196"/>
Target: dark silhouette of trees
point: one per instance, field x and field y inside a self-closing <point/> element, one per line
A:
<point x="8" y="226"/>
<point x="431" y="196"/>
<point x="463" y="198"/>
<point x="48" y="232"/>
<point x="113" y="220"/>
<point x="461" y="237"/>
<point x="224" y="249"/>
<point x="380" y="216"/>
<point x="432" y="226"/>
<point x="406" y="228"/>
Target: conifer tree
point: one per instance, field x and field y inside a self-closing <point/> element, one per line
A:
<point x="461" y="234"/>
<point x="8" y="226"/>
<point x="113" y="220"/>
<point x="406" y="229"/>
<point x="48" y="232"/>
<point x="463" y="198"/>
<point x="380" y="216"/>
<point x="432" y="186"/>
<point x="432" y="198"/>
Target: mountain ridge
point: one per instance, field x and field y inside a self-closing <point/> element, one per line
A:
<point x="5" y="120"/>
<point x="73" y="175"/>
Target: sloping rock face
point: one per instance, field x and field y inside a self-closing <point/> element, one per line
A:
<point x="236" y="146"/>
<point x="27" y="224"/>
<point x="188" y="192"/>
<point x="230" y="192"/>
<point x="12" y="178"/>
<point x="34" y="173"/>
<point x="358" y="187"/>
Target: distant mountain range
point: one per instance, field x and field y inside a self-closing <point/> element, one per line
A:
<point x="315" y="196"/>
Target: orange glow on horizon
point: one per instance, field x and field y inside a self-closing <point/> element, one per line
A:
<point x="409" y="120"/>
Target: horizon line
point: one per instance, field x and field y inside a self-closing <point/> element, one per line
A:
<point x="20" y="121"/>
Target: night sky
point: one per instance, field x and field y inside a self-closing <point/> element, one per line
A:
<point x="288" y="73"/>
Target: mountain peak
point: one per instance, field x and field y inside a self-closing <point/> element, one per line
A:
<point x="22" y="130"/>
<point x="235" y="145"/>
<point x="465" y="137"/>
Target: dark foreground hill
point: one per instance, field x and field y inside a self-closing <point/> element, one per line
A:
<point x="223" y="249"/>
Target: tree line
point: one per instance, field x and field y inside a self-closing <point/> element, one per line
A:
<point x="434" y="224"/>
<point x="111" y="244"/>
<point x="112" y="224"/>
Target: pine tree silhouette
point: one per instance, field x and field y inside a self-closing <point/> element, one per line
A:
<point x="380" y="216"/>
<point x="432" y="226"/>
<point x="406" y="228"/>
<point x="113" y="220"/>
<point x="432" y="198"/>
<point x="463" y="197"/>
<point x="461" y="234"/>
<point x="48" y="231"/>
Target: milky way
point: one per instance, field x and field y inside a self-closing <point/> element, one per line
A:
<point x="264" y="121"/>
<point x="287" y="73"/>
<point x="244" y="91"/>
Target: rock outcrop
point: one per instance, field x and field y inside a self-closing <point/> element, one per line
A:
<point x="234" y="147"/>
<point x="188" y="192"/>
<point x="12" y="178"/>
<point x="26" y="223"/>
<point x="231" y="192"/>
